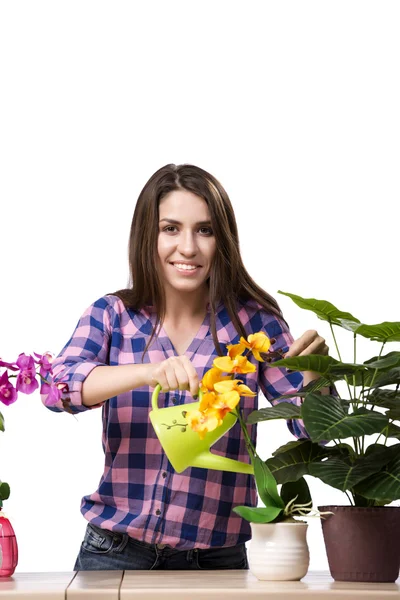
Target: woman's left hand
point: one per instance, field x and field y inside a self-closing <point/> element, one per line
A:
<point x="309" y="343"/>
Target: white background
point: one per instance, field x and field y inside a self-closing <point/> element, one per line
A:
<point x="293" y="106"/>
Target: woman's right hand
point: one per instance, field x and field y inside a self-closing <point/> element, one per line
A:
<point x="176" y="372"/>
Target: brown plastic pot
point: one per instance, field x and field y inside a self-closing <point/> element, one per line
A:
<point x="362" y="543"/>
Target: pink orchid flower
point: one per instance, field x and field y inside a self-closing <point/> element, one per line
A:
<point x="8" y="393"/>
<point x="52" y="391"/>
<point x="11" y="366"/>
<point x="26" y="379"/>
<point x="44" y="361"/>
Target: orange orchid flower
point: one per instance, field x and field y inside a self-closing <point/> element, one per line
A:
<point x="256" y="343"/>
<point x="211" y="377"/>
<point x="222" y="393"/>
<point x="203" y="422"/>
<point x="224" y="387"/>
<point x="239" y="364"/>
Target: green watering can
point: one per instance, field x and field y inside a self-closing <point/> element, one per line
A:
<point x="183" y="446"/>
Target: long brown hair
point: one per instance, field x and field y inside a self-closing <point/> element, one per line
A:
<point x="228" y="281"/>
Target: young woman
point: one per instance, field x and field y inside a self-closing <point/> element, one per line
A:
<point x="189" y="296"/>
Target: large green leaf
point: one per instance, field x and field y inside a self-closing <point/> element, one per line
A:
<point x="313" y="386"/>
<point x="294" y="458"/>
<point x="318" y="363"/>
<point x="282" y="410"/>
<point x="394" y="413"/>
<point x="391" y="377"/>
<point x="323" y="309"/>
<point x="266" y="484"/>
<point x="382" y="332"/>
<point x="345" y="476"/>
<point x="259" y="514"/>
<point x="393" y="431"/>
<point x="326" y="418"/>
<point x="384" y="398"/>
<point x="386" y="483"/>
<point x="327" y="366"/>
<point x="299" y="488"/>
<point x="384" y="362"/>
<point x="292" y="445"/>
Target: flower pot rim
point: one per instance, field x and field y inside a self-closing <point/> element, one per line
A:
<point x="342" y="507"/>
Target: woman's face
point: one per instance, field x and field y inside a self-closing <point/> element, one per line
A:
<point x="185" y="237"/>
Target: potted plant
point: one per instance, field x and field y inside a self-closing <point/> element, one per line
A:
<point x="278" y="549"/>
<point x="362" y="539"/>
<point x="25" y="372"/>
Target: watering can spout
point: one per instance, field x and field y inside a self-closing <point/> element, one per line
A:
<point x="183" y="446"/>
<point x="207" y="460"/>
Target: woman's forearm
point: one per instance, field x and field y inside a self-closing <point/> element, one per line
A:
<point x="104" y="382"/>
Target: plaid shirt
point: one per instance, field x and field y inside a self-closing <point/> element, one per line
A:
<point x="139" y="492"/>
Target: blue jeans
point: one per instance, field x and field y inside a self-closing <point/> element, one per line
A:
<point x="106" y="550"/>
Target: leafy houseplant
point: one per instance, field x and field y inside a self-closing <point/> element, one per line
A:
<point x="340" y="451"/>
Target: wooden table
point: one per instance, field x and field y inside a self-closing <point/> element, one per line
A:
<point x="185" y="585"/>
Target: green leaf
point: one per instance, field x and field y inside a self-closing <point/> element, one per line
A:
<point x="383" y="332"/>
<point x="259" y="514"/>
<point x="323" y="309"/>
<point x="344" y="476"/>
<point x="282" y="410"/>
<point x="394" y="413"/>
<point x="384" y="362"/>
<point x="4" y="491"/>
<point x="1" y="422"/>
<point x="292" y="445"/>
<point x="299" y="488"/>
<point x="294" y="459"/>
<point x="391" y="377"/>
<point x="312" y="362"/>
<point x="326" y="418"/>
<point x="313" y="386"/>
<point x="384" y="398"/>
<point x="266" y="484"/>
<point x="327" y="366"/>
<point x="393" y="431"/>
<point x="386" y="483"/>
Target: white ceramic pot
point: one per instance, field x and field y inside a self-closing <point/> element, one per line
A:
<point x="278" y="551"/>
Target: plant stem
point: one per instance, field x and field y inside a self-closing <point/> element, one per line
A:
<point x="340" y="358"/>
<point x="354" y="360"/>
<point x="250" y="448"/>
<point x="351" y="503"/>
<point x="373" y="377"/>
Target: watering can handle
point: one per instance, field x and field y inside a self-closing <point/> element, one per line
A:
<point x="154" y="398"/>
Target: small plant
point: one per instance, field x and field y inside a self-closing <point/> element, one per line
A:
<point x="221" y="394"/>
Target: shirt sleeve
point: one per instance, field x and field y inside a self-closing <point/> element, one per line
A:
<point x="87" y="349"/>
<point x="276" y="381"/>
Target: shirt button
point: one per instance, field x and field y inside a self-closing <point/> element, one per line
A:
<point x="164" y="474"/>
<point x="174" y="400"/>
<point x="158" y="511"/>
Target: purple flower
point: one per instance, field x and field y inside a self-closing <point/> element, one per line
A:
<point x="44" y="362"/>
<point x="26" y="379"/>
<point x="52" y="391"/>
<point x="8" y="394"/>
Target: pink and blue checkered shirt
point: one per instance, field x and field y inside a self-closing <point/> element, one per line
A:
<point x="139" y="492"/>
